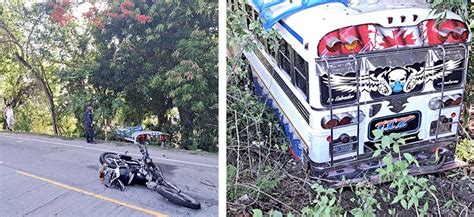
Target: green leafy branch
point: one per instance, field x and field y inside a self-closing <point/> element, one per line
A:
<point x="409" y="189"/>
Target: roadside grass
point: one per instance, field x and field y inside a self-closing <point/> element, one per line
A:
<point x="264" y="183"/>
<point x="465" y="150"/>
<point x="38" y="134"/>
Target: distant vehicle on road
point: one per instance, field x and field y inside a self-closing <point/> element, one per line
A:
<point x="131" y="134"/>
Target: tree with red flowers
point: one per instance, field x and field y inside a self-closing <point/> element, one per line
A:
<point x="115" y="11"/>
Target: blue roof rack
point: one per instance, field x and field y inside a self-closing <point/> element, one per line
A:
<point x="269" y="19"/>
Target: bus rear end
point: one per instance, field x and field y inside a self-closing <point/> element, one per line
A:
<point x="406" y="79"/>
<point x="344" y="71"/>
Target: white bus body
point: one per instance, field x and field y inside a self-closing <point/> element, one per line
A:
<point x="386" y="59"/>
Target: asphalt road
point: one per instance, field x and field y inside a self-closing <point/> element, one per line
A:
<point x="43" y="176"/>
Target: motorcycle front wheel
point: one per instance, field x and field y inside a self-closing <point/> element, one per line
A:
<point x="178" y="197"/>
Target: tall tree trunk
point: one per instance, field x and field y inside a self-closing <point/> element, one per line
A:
<point x="52" y="109"/>
<point x="105" y="128"/>
<point x="162" y="120"/>
<point x="186" y="121"/>
<point x="47" y="90"/>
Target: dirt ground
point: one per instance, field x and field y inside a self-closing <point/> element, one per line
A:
<point x="454" y="190"/>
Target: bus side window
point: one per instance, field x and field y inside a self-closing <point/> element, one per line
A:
<point x="240" y="5"/>
<point x="232" y="4"/>
<point x="249" y="11"/>
<point x="271" y="50"/>
<point x="265" y="43"/>
<point x="259" y="36"/>
<point x="301" y="73"/>
<point x="284" y="57"/>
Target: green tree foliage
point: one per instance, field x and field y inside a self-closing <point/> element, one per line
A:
<point x="191" y="79"/>
<point x="166" y="54"/>
<point x="134" y="60"/>
<point x="32" y="40"/>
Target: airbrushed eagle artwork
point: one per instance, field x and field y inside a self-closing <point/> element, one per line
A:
<point x="343" y="69"/>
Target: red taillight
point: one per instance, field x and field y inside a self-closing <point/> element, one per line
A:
<point x="449" y="31"/>
<point x="345" y="118"/>
<point x="334" y="45"/>
<point x="329" y="122"/>
<point x="447" y="101"/>
<point x="457" y="99"/>
<point x="350" y="39"/>
<point x="341" y="41"/>
<point x="164" y="137"/>
<point x="341" y="119"/>
<point x="459" y="33"/>
<point x="351" y="47"/>
<point x="330" y="44"/>
<point x="344" y="138"/>
<point x="141" y="138"/>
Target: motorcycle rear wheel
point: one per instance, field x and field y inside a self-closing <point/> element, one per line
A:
<point x="106" y="158"/>
<point x="178" y="198"/>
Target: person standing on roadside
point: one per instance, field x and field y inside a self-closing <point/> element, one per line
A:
<point x="88" y="125"/>
<point x="8" y="112"/>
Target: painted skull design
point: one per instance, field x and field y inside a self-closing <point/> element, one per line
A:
<point x="397" y="79"/>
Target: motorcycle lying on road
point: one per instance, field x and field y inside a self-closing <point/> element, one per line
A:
<point x="122" y="170"/>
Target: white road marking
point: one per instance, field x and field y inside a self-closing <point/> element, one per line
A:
<point x="106" y="150"/>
